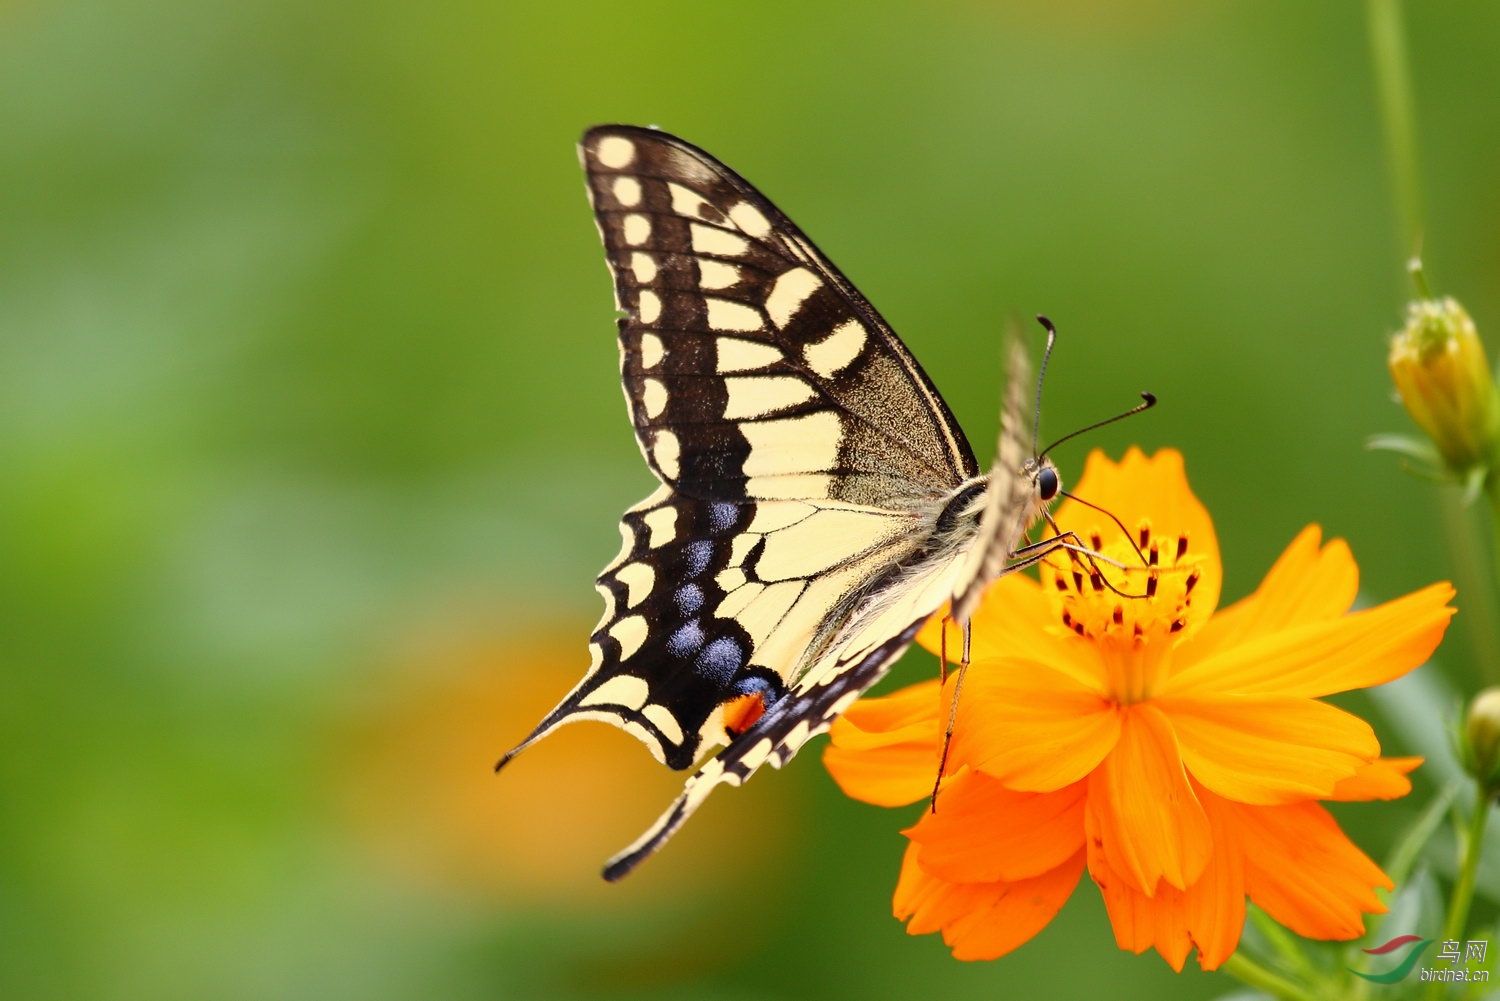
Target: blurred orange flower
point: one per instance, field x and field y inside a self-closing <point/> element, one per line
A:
<point x="1176" y="753"/>
<point x="413" y="780"/>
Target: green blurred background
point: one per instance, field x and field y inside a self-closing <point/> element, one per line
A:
<point x="311" y="443"/>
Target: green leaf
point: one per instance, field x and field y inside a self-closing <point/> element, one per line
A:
<point x="1422" y="707"/>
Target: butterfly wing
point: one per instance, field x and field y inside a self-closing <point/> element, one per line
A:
<point x="874" y="637"/>
<point x="1011" y="498"/>
<point x="880" y="629"/>
<point x="799" y="445"/>
<point x="752" y="367"/>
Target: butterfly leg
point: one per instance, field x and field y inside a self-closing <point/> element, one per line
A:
<point x="1077" y="552"/>
<point x="1093" y="556"/>
<point x="943" y="652"/>
<point x="958" y="687"/>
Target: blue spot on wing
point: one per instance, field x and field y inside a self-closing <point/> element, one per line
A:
<point x="697" y="555"/>
<point x="722" y="516"/>
<point x="689" y="599"/>
<point x="686" y="640"/>
<point x="720" y="660"/>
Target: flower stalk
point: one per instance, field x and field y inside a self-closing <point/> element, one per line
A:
<point x="1393" y="87"/>
<point x="1463" y="887"/>
<point x="1472" y="846"/>
<point x="1250" y="973"/>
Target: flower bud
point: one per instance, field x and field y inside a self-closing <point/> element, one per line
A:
<point x="1480" y="744"/>
<point x="1439" y="367"/>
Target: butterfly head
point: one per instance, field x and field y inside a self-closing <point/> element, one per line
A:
<point x="1045" y="483"/>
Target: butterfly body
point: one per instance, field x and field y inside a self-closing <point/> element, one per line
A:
<point x="817" y="500"/>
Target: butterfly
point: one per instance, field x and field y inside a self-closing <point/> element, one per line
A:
<point x="817" y="502"/>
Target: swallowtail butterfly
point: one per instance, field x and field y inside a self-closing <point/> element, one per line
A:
<point x="818" y="502"/>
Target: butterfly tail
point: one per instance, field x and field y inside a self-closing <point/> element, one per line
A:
<point x="693" y="794"/>
<point x="807" y="711"/>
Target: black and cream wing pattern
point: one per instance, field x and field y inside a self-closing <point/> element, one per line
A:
<point x="817" y="500"/>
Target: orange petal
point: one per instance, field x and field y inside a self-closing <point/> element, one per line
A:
<point x="1308" y="583"/>
<point x="1303" y="871"/>
<point x="1366" y="648"/>
<point x="1152" y="490"/>
<point x="893" y="776"/>
<point x="1216" y="903"/>
<point x="1150" y="824"/>
<point x="1030" y="726"/>
<point x="1207" y="916"/>
<point x="1215" y="908"/>
<point x="885" y="750"/>
<point x="983" y="832"/>
<point x="1269" y="749"/>
<point x="895" y="715"/>
<point x="913" y="886"/>
<point x="1012" y="622"/>
<point x="1383" y="779"/>
<point x="982" y="920"/>
<point x="1139" y="922"/>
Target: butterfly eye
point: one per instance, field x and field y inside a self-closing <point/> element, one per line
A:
<point x="1046" y="483"/>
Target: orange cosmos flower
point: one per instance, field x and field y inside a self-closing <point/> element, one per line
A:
<point x="1175" y="752"/>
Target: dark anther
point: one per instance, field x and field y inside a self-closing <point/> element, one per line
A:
<point x="1096" y="579"/>
<point x="1145" y="535"/>
<point x="1181" y="547"/>
<point x="1151" y="586"/>
<point x="1177" y="625"/>
<point x="1078" y="628"/>
<point x="1138" y="631"/>
<point x="1062" y="585"/>
<point x="1097" y="541"/>
<point x="1153" y="555"/>
<point x="1190" y="583"/>
<point x="1078" y="581"/>
<point x="1119" y="616"/>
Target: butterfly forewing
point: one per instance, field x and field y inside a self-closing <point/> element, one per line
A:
<point x="753" y="368"/>
<point x="1011" y="498"/>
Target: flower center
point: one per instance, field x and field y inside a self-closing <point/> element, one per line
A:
<point x="1131" y="616"/>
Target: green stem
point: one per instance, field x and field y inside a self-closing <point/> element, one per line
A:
<point x="1399" y="866"/>
<point x="1403" y="857"/>
<point x="1287" y="946"/>
<point x="1468" y="870"/>
<point x="1418" y="272"/>
<point x="1492" y="494"/>
<point x="1393" y="84"/>
<point x="1250" y="973"/>
<point x="1473" y="573"/>
<point x="1463" y="889"/>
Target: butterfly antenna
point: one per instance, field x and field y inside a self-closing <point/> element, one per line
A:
<point x="1148" y="400"/>
<point x="1041" y="376"/>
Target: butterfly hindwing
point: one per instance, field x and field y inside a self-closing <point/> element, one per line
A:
<point x="775" y="738"/>
<point x="870" y="640"/>
<point x="712" y="600"/>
